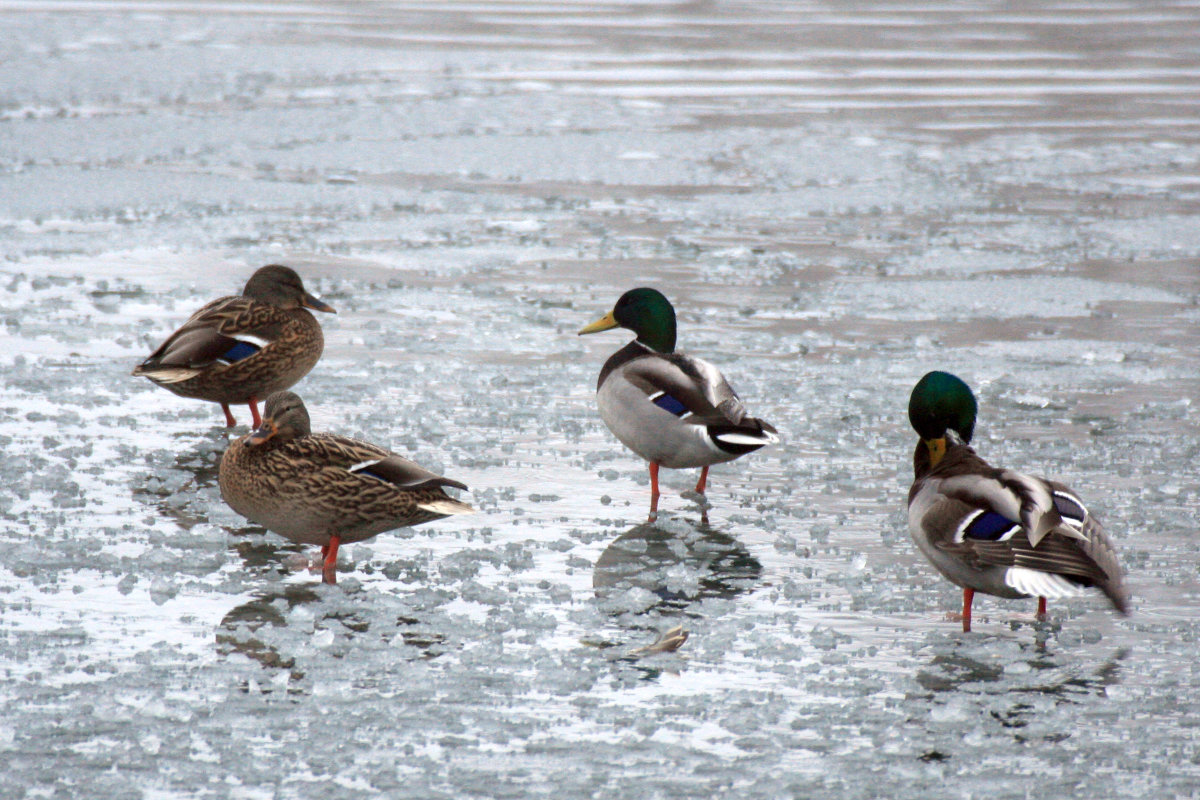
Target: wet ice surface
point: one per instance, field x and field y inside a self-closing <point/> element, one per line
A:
<point x="837" y="200"/>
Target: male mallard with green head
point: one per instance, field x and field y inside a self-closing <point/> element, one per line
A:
<point x="323" y="489"/>
<point x="241" y="349"/>
<point x="672" y="409"/>
<point x="992" y="530"/>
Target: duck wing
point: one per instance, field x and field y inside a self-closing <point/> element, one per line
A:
<point x="370" y="461"/>
<point x="697" y="393"/>
<point x="1039" y="530"/>
<point x="226" y="330"/>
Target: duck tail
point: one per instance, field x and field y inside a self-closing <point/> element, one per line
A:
<point x="743" y="437"/>
<point x="161" y="374"/>
<point x="1100" y="549"/>
<point x="446" y="505"/>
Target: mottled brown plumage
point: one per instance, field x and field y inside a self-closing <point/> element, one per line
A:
<point x="241" y="349"/>
<point x="324" y="489"/>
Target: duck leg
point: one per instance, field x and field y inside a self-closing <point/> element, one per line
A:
<point x="968" y="600"/>
<point x="1042" y="616"/>
<point x="329" y="553"/>
<point x="653" y="492"/>
<point x="700" y="484"/>
<point x="253" y="413"/>
<point x="229" y="420"/>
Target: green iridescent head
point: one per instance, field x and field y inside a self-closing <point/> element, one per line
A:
<point x="940" y="402"/>
<point x="647" y="313"/>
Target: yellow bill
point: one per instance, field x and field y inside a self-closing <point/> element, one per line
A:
<point x="605" y="323"/>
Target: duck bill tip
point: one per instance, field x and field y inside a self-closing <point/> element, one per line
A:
<point x="264" y="433"/>
<point x="318" y="305"/>
<point x="605" y="323"/>
<point x="937" y="450"/>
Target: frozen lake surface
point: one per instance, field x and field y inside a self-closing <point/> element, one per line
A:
<point x="837" y="197"/>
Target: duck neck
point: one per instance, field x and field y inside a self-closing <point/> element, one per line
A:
<point x="634" y="349"/>
<point x="658" y="332"/>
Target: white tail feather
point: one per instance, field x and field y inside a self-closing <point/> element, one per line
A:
<point x="746" y="438"/>
<point x="446" y="506"/>
<point x="170" y="374"/>
<point x="1036" y="583"/>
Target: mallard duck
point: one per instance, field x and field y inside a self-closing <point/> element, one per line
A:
<point x="992" y="530"/>
<point x="318" y="488"/>
<point x="672" y="409"/>
<point x="241" y="349"/>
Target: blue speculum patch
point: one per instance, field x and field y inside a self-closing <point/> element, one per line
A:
<point x="239" y="351"/>
<point x="670" y="404"/>
<point x="990" y="526"/>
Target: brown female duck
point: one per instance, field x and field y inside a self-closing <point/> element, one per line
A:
<point x="322" y="489"/>
<point x="241" y="349"/>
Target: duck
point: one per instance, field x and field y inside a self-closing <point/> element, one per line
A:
<point x="995" y="530"/>
<point x="672" y="409"/>
<point x="240" y="349"/>
<point x="324" y="489"/>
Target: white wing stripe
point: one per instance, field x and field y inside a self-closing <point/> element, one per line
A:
<point x="960" y="534"/>
<point x="1075" y="514"/>
<point x="250" y="338"/>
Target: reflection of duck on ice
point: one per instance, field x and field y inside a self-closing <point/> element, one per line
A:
<point x="248" y="628"/>
<point x="678" y="566"/>
<point x="238" y="632"/>
<point x="1016" y="697"/>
